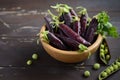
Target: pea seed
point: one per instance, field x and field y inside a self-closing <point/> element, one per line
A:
<point x="107" y="57"/>
<point x="118" y="63"/>
<point x="101" y="50"/>
<point x="106" y="50"/>
<point x="96" y="66"/>
<point x="102" y="46"/>
<point x="29" y="62"/>
<point x="108" y="71"/>
<point x="104" y="74"/>
<point x="102" y="55"/>
<point x="111" y="68"/>
<point x="115" y="67"/>
<point x="87" y="73"/>
<point x="35" y="56"/>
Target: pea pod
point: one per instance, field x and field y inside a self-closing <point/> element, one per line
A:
<point x="104" y="52"/>
<point x="115" y="66"/>
<point x="49" y="25"/>
<point x="91" y="29"/>
<point x="65" y="14"/>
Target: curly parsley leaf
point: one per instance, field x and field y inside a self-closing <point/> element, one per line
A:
<point x="105" y="28"/>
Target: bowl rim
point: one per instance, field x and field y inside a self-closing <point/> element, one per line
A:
<point x="98" y="41"/>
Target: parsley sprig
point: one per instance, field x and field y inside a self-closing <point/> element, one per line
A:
<point x="105" y="28"/>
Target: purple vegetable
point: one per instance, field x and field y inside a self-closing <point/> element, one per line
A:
<point x="83" y="21"/>
<point x="71" y="43"/>
<point x="73" y="13"/>
<point x="61" y="18"/>
<point x="48" y="24"/>
<point x="64" y="13"/>
<point x="54" y="41"/>
<point x="71" y="34"/>
<point x="76" y="27"/>
<point x="75" y="22"/>
<point x="92" y="28"/>
<point x="67" y="18"/>
<point x="60" y="32"/>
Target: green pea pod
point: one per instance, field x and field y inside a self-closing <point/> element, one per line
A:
<point x="115" y="66"/>
<point x="104" y="52"/>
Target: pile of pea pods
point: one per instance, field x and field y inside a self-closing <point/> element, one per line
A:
<point x="115" y="66"/>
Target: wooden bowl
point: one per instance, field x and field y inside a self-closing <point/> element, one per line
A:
<point x="69" y="56"/>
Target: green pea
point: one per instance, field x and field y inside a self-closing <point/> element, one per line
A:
<point x="104" y="74"/>
<point x="106" y="50"/>
<point x="108" y="71"/>
<point x="111" y="68"/>
<point x="115" y="67"/>
<point x="118" y="63"/>
<point x="107" y="57"/>
<point x="101" y="50"/>
<point x="102" y="46"/>
<point x="102" y="55"/>
<point x="29" y="62"/>
<point x="35" y="56"/>
<point x="87" y="73"/>
<point x="96" y="66"/>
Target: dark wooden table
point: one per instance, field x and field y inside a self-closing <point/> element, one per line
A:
<point x="21" y="20"/>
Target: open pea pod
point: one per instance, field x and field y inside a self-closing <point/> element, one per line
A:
<point x="104" y="52"/>
<point x="115" y="66"/>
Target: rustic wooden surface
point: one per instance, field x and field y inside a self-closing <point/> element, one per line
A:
<point x="21" y="20"/>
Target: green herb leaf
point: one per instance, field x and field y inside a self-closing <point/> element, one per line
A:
<point x="112" y="31"/>
<point x="82" y="47"/>
<point x="102" y="17"/>
<point x="75" y="18"/>
<point x="45" y="35"/>
<point x="54" y="17"/>
<point x="55" y="21"/>
<point x="82" y="11"/>
<point x="105" y="28"/>
<point x="61" y="8"/>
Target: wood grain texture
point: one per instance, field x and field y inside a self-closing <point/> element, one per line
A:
<point x="21" y="20"/>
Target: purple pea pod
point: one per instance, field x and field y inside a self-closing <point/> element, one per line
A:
<point x="76" y="25"/>
<point x="49" y="24"/>
<point x="61" y="18"/>
<point x="92" y="28"/>
<point x="67" y="18"/>
<point x="71" y="43"/>
<point x="60" y="32"/>
<point x="83" y="22"/>
<point x="64" y="13"/>
<point x="73" y="13"/>
<point x="55" y="41"/>
<point x="83" y="19"/>
<point x="71" y="34"/>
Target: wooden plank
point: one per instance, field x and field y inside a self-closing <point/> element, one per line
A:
<point x="20" y="21"/>
<point x="51" y="73"/>
<point x="93" y="5"/>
